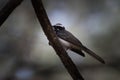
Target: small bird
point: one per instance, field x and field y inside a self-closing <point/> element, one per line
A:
<point x="69" y="41"/>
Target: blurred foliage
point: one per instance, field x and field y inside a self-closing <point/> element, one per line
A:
<point x="26" y="55"/>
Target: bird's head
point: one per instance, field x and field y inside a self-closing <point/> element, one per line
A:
<point x="58" y="27"/>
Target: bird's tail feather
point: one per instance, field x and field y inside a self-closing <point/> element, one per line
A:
<point x="93" y="54"/>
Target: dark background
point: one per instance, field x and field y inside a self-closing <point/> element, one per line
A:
<point x="26" y="55"/>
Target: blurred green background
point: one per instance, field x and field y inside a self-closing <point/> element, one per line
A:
<point x="26" y="55"/>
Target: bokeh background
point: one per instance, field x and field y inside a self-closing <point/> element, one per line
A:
<point x="26" y="55"/>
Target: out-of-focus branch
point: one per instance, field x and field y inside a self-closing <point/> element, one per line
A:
<point x="47" y="28"/>
<point x="7" y="9"/>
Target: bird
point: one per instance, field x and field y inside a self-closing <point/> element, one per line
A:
<point x="70" y="42"/>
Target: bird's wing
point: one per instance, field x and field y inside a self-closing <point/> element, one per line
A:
<point x="67" y="36"/>
<point x="76" y="44"/>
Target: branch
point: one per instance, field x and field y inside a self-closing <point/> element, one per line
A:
<point x="7" y="9"/>
<point x="49" y="32"/>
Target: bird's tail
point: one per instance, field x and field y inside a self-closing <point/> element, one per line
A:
<point x="93" y="54"/>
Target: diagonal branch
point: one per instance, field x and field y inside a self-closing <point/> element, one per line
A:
<point x="7" y="9"/>
<point x="47" y="28"/>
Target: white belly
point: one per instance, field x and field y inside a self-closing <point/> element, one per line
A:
<point x="65" y="44"/>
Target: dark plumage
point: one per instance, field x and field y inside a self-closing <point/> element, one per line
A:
<point x="69" y="41"/>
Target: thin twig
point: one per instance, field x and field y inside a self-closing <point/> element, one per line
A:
<point x="47" y="28"/>
<point x="7" y="9"/>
